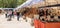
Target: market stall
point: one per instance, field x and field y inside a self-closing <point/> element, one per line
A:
<point x="51" y="19"/>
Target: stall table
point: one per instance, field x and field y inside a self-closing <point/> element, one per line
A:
<point x="41" y="24"/>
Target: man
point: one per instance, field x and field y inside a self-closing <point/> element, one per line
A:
<point x="18" y="15"/>
<point x="6" y="14"/>
<point x="13" y="14"/>
<point x="9" y="15"/>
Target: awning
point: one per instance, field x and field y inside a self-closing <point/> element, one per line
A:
<point x="29" y="3"/>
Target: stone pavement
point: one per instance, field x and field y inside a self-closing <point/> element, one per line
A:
<point x="14" y="23"/>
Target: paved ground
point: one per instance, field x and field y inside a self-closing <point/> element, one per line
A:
<point x="14" y="23"/>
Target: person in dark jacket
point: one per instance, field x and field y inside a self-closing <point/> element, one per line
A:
<point x="13" y="14"/>
<point x="41" y="13"/>
<point x="18" y="15"/>
<point x="6" y="14"/>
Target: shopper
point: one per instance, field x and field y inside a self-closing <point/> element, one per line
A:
<point x="18" y="15"/>
<point x="6" y="14"/>
<point x="13" y="14"/>
<point x="41" y="13"/>
<point x="9" y="15"/>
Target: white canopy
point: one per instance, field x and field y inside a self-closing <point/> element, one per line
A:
<point x="28" y="3"/>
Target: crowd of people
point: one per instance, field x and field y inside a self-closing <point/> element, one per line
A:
<point x="44" y="14"/>
<point x="9" y="14"/>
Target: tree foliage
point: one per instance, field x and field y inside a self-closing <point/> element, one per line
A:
<point x="10" y="3"/>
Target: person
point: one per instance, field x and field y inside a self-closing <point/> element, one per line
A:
<point x="6" y="14"/>
<point x="47" y="12"/>
<point x="12" y="14"/>
<point x="9" y="15"/>
<point x="41" y="13"/>
<point x="18" y="15"/>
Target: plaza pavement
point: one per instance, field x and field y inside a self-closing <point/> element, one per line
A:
<point x="14" y="23"/>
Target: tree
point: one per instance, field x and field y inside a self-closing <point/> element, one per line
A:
<point x="20" y="2"/>
<point x="10" y="3"/>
